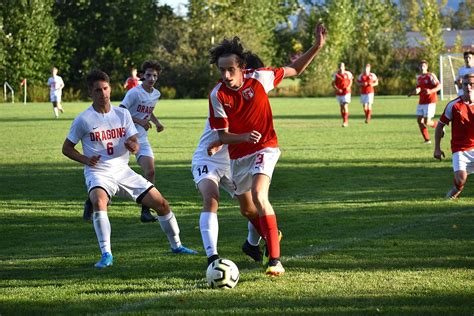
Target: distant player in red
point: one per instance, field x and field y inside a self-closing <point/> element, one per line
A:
<point x="133" y="80"/>
<point x="342" y="82"/>
<point x="427" y="85"/>
<point x="240" y="111"/>
<point x="460" y="112"/>
<point x="367" y="81"/>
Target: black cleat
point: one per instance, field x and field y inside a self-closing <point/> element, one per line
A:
<point x="211" y="259"/>
<point x="146" y="216"/>
<point x="88" y="210"/>
<point x="253" y="252"/>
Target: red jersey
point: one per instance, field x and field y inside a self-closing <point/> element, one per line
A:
<point x="342" y="81"/>
<point x="370" y="78"/>
<point x="427" y="81"/>
<point x="246" y="109"/>
<point x="461" y="114"/>
<point x="131" y="83"/>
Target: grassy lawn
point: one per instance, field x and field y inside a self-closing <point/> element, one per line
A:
<point x="366" y="228"/>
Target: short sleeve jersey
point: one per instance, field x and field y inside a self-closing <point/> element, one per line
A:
<point x="209" y="136"/>
<point x="141" y="104"/>
<point x="427" y="81"/>
<point x="55" y="83"/>
<point x="461" y="73"/>
<point x="342" y="81"/>
<point x="461" y="116"/>
<point x="246" y="109"/>
<point x="131" y="83"/>
<point x="370" y="78"/>
<point x="104" y="135"/>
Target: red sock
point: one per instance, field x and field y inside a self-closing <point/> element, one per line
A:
<point x="435" y="123"/>
<point x="366" y="112"/>
<point x="369" y="114"/>
<point x="424" y="132"/>
<point x="345" y="117"/>
<point x="256" y="223"/>
<point x="270" y="231"/>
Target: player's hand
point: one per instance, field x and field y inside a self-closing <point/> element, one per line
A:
<point x="144" y="123"/>
<point x="339" y="90"/>
<point x="320" y="33"/>
<point x="132" y="146"/>
<point x="93" y="161"/>
<point x="159" y="127"/>
<point x="253" y="137"/>
<point x="214" y="147"/>
<point x="439" y="154"/>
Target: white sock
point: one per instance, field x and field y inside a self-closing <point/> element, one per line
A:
<point x="102" y="230"/>
<point x="253" y="237"/>
<point x="170" y="227"/>
<point x="209" y="227"/>
<point x="56" y="111"/>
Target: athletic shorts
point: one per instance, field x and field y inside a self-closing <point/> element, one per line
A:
<point x="344" y="98"/>
<point x="145" y="150"/>
<point x="426" y="110"/>
<point x="243" y="169"/>
<point x="55" y="96"/>
<point x="218" y="172"/>
<point x="464" y="160"/>
<point x="367" y="98"/>
<point x="123" y="182"/>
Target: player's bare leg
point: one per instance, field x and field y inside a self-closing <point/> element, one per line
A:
<point x="168" y="223"/>
<point x="249" y="210"/>
<point x="430" y="122"/>
<point x="268" y="222"/>
<point x="99" y="200"/>
<point x="147" y="165"/>
<point x="424" y="131"/>
<point x="460" y="178"/>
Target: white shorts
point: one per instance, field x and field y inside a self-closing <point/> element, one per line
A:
<point x="344" y="98"/>
<point x="55" y="96"/>
<point x="367" y="98"/>
<point x="261" y="162"/>
<point x="464" y="161"/>
<point x="122" y="182"/>
<point x="426" y="110"/>
<point x="145" y="150"/>
<point x="215" y="171"/>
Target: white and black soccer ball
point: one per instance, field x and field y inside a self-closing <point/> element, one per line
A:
<point x="222" y="273"/>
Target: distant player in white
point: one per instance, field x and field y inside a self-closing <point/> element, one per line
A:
<point x="56" y="85"/>
<point x="107" y="134"/>
<point x="468" y="69"/>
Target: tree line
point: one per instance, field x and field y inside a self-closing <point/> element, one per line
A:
<point x="79" y="35"/>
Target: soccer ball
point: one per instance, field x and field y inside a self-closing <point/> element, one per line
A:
<point x="222" y="273"/>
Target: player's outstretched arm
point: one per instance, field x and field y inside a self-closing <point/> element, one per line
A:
<point x="439" y="133"/>
<point x="300" y="64"/>
<point x="231" y="138"/>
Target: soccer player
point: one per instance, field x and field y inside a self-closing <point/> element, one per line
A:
<point x="108" y="135"/>
<point x="427" y="86"/>
<point x="342" y="82"/>
<point x="56" y="85"/>
<point x="211" y="170"/>
<point x="133" y="80"/>
<point x="468" y="69"/>
<point x="367" y="81"/>
<point x="460" y="112"/>
<point x="240" y="112"/>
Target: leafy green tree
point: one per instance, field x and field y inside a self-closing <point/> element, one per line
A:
<point x="463" y="18"/>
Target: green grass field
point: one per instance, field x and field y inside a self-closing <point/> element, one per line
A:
<point x="366" y="228"/>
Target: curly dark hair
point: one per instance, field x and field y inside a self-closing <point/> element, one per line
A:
<point x="96" y="75"/>
<point x="252" y="61"/>
<point x="153" y="64"/>
<point x="228" y="47"/>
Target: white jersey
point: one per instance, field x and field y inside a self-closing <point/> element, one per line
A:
<point x="208" y="136"/>
<point x="461" y="73"/>
<point x="141" y="104"/>
<point x="55" y="83"/>
<point x="104" y="135"/>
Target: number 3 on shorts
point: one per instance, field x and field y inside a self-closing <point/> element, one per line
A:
<point x="259" y="159"/>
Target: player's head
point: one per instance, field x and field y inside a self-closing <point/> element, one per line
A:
<point x="252" y="61"/>
<point x="423" y="66"/>
<point x="367" y="68"/>
<point x="469" y="58"/>
<point x="98" y="83"/>
<point x="133" y="71"/>
<point x="54" y="71"/>
<point x="151" y="70"/>
<point x="229" y="57"/>
<point x="468" y="85"/>
<point x="342" y="67"/>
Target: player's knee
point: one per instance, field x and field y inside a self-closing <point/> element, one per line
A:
<point x="260" y="199"/>
<point x="249" y="213"/>
<point x="210" y="203"/>
<point x="161" y="206"/>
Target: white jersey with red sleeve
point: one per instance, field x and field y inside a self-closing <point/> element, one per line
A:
<point x="342" y="81"/>
<point x="364" y="78"/>
<point x="427" y="81"/>
<point x="246" y="109"/>
<point x="461" y="73"/>
<point x="141" y="104"/>
<point x="461" y="116"/>
<point x="104" y="135"/>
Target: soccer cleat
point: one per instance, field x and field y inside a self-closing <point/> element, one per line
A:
<point x="88" y="210"/>
<point x="427" y="142"/>
<point x="253" y="252"/>
<point x="345" y="124"/>
<point x="61" y="110"/>
<point x="146" y="216"/>
<point x="183" y="250"/>
<point x="453" y="194"/>
<point x="275" y="268"/>
<point x="265" y="250"/>
<point x="211" y="259"/>
<point x="106" y="261"/>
